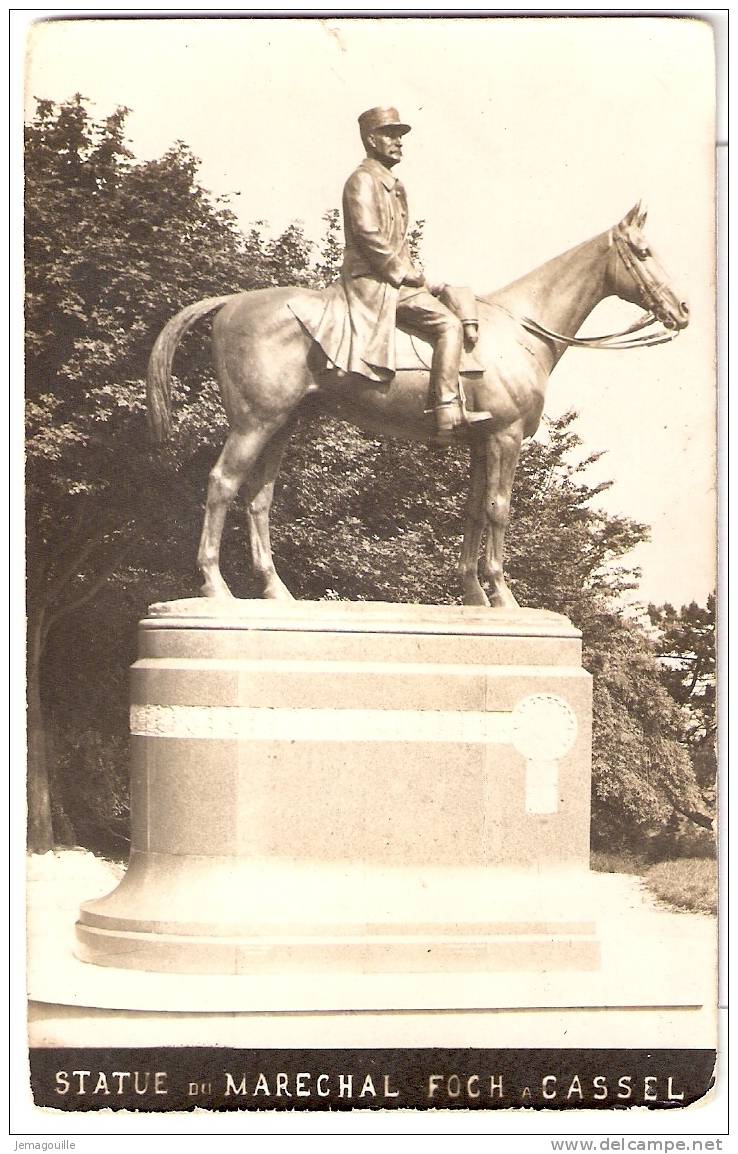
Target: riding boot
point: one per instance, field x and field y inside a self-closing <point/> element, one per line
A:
<point x="451" y="412"/>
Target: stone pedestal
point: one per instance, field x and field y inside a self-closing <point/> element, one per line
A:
<point x="361" y="787"/>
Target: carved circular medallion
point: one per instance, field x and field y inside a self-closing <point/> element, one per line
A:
<point x="544" y="727"/>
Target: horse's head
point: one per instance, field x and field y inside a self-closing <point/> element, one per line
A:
<point x="638" y="277"/>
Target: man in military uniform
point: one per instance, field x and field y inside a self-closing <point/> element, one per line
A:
<point x="382" y="285"/>
<point x="380" y="288"/>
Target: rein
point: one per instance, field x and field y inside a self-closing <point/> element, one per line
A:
<point x="611" y="340"/>
<point x="622" y="340"/>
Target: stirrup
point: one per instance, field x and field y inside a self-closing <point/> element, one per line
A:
<point x="453" y="421"/>
<point x="475" y="417"/>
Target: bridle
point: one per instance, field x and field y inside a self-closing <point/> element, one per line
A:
<point x="649" y="292"/>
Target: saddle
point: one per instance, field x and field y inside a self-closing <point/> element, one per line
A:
<point x="324" y="318"/>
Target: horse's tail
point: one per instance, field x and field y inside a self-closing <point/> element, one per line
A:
<point x="159" y="373"/>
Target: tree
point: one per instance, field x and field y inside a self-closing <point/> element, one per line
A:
<point x="328" y="264"/>
<point x="641" y="774"/>
<point x="686" y="649"/>
<point x="113" y="248"/>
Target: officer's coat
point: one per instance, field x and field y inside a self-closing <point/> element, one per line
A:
<point x="354" y="320"/>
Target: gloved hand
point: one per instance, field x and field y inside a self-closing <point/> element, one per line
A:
<point x="414" y="279"/>
<point x="471" y="334"/>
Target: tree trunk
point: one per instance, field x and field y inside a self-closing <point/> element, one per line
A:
<point x="40" y="832"/>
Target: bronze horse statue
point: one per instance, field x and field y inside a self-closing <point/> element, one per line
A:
<point x="267" y="365"/>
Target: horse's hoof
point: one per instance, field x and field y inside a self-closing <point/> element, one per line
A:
<point x="277" y="592"/>
<point x="211" y="591"/>
<point x="478" y="599"/>
<point x="508" y="602"/>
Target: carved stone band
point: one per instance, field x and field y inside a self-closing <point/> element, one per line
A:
<point x="248" y="724"/>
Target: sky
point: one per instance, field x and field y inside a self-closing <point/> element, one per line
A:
<point x="528" y="137"/>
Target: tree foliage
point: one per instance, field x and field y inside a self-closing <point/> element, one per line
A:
<point x="686" y="649"/>
<point x="114" y="248"/>
<point x="328" y="264"/>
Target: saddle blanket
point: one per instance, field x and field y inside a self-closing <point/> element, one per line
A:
<point x="324" y="316"/>
<point x="413" y="353"/>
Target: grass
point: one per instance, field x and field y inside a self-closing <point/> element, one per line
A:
<point x="617" y="862"/>
<point x="685" y="883"/>
<point x="689" y="883"/>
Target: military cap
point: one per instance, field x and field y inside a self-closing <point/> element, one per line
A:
<point x="375" y="118"/>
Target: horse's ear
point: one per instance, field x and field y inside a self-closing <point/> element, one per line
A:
<point x="636" y="216"/>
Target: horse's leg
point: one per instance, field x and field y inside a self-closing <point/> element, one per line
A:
<point x="238" y="457"/>
<point x="261" y="493"/>
<point x="503" y="450"/>
<point x="474" y="523"/>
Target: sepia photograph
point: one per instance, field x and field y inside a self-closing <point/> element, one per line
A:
<point x="371" y="572"/>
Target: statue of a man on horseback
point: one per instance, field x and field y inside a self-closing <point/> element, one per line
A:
<point x="380" y="286"/>
<point x="273" y="348"/>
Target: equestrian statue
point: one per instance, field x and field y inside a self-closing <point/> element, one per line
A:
<point x="386" y="351"/>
